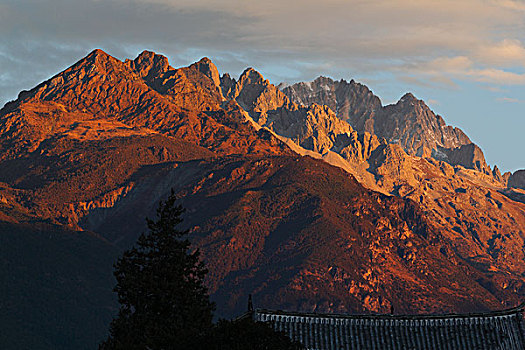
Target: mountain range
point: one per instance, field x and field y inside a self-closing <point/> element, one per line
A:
<point x="310" y="197"/>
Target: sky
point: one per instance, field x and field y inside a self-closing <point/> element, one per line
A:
<point x="465" y="58"/>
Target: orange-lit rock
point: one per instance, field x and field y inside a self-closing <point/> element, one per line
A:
<point x="96" y="147"/>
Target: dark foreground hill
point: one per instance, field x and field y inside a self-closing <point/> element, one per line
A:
<point x="56" y="287"/>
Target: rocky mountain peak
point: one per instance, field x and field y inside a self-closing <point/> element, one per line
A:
<point x="317" y="91"/>
<point x="496" y="173"/>
<point x="97" y="55"/>
<point x="206" y="66"/>
<point x="149" y="64"/>
<point x="352" y="102"/>
<point x="323" y="80"/>
<point x="517" y="179"/>
<point x="413" y="125"/>
<point x="469" y="156"/>
<point x="95" y="68"/>
<point x="409" y="122"/>
<point x="251" y="76"/>
<point x="255" y="94"/>
<point x="97" y="61"/>
<point x="408" y="98"/>
<point x="228" y="85"/>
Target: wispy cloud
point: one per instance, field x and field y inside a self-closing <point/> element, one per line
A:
<point x="497" y="76"/>
<point x="509" y="100"/>
<point x="508" y="52"/>
<point x="493" y="88"/>
<point x="463" y="68"/>
<point x="515" y="5"/>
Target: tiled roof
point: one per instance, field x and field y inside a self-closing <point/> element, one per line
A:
<point x="491" y="330"/>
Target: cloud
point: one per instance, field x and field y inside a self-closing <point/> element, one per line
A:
<point x="429" y="81"/>
<point x="508" y="52"/>
<point x="445" y="69"/>
<point x="456" y="64"/>
<point x="351" y="28"/>
<point x="493" y="88"/>
<point x="509" y="100"/>
<point x="497" y="76"/>
<point x="512" y="4"/>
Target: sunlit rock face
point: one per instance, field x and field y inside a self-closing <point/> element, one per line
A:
<point x="286" y="199"/>
<point x="409" y="122"/>
<point x="351" y="101"/>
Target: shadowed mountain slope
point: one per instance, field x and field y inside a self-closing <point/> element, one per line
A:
<point x="56" y="287"/>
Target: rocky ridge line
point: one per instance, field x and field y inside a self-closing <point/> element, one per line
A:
<point x="409" y="122"/>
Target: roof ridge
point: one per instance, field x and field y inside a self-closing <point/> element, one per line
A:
<point x="510" y="311"/>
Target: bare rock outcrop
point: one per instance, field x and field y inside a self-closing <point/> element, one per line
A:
<point x="351" y="101"/>
<point x="149" y="65"/>
<point x="413" y="125"/>
<point x="256" y="95"/>
<point x="470" y="156"/>
<point x="409" y="123"/>
<point x="517" y="179"/>
<point x="314" y="127"/>
<point x="206" y="66"/>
